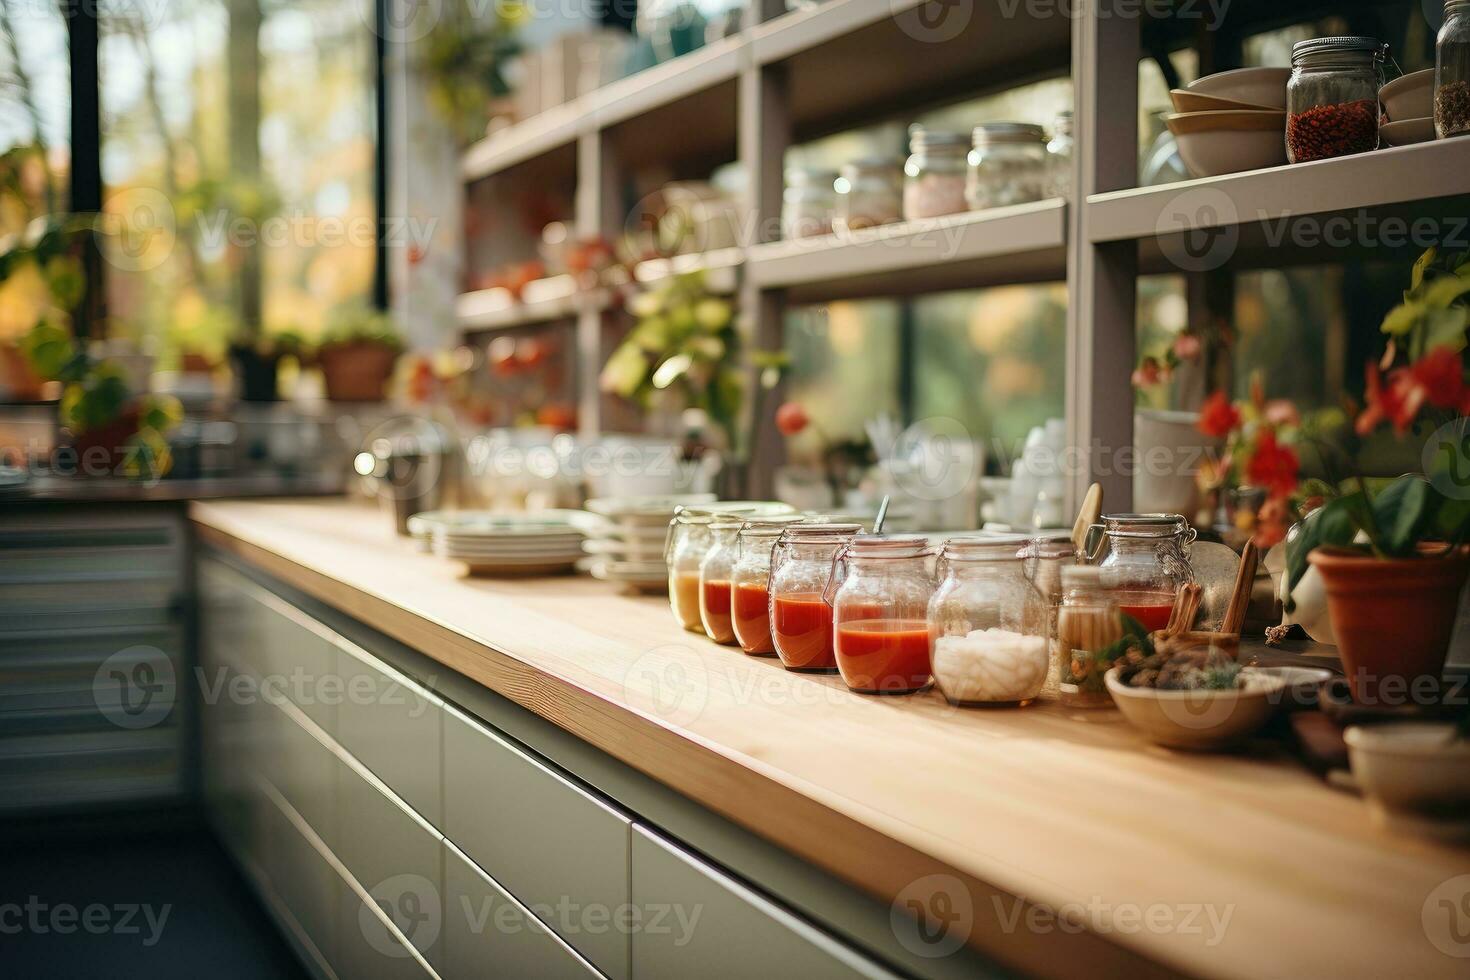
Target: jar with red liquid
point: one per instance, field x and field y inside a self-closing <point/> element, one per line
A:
<point x="750" y="581"/>
<point x="880" y="628"/>
<point x="689" y="541"/>
<point x="1147" y="561"/>
<point x="715" y="586"/>
<point x="801" y="620"/>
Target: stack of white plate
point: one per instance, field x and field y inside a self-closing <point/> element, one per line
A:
<point x="489" y="543"/>
<point x="627" y="542"/>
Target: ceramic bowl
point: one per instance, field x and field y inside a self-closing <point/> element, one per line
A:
<point x="1415" y="776"/>
<point x="1228" y="142"/>
<point x="1186" y="101"/>
<point x="1201" y="721"/>
<point x="1409" y="96"/>
<point x="1258" y="86"/>
<point x="1407" y="131"/>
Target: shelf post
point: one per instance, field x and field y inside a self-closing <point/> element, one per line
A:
<point x="598" y="208"/>
<point x="1102" y="279"/>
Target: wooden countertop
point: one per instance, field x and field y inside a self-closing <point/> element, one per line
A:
<point x="1202" y="865"/>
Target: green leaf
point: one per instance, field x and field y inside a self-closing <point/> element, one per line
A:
<point x="1445" y="290"/>
<point x="1421" y="265"/>
<point x="1403" y="512"/>
<point x="1446" y="328"/>
<point x="1402" y="318"/>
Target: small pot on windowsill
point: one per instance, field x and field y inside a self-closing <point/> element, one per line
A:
<point x="356" y="370"/>
<point x="1393" y="617"/>
<point x="255" y="371"/>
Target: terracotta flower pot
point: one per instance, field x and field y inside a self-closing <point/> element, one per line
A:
<point x="1392" y="618"/>
<point x="356" y="371"/>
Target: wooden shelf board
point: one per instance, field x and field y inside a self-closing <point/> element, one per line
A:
<point x="720" y="267"/>
<point x="554" y="298"/>
<point x="1026" y="241"/>
<point x="543" y="133"/>
<point x="1392" y="176"/>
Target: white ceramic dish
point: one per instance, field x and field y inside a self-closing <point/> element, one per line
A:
<point x="1186" y="101"/>
<point x="1409" y="96"/>
<point x="1406" y="132"/>
<point x="1258" y="86"/>
<point x="657" y="506"/>
<point x="1415" y="777"/>
<point x="1200" y="721"/>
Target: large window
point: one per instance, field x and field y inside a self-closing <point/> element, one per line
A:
<point x="245" y="133"/>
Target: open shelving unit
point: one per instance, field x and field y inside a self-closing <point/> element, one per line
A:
<point x="791" y="77"/>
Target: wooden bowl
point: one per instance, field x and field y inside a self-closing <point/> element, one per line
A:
<point x="1409" y="97"/>
<point x="1258" y="86"/>
<point x="1229" y="141"/>
<point x="1200" y="721"/>
<point x="1405" y="132"/>
<point x="1186" y="101"/>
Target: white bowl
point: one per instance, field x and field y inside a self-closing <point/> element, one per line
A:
<point x="1200" y="721"/>
<point x="1414" y="775"/>
<point x="1258" y="86"/>
<point x="1222" y="152"/>
<point x="1409" y="96"/>
<point x="1405" y="132"/>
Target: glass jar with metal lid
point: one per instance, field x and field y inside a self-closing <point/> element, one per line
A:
<point x="879" y="592"/>
<point x="1053" y="552"/>
<point x="1007" y="165"/>
<point x="750" y="580"/>
<point x="808" y="202"/>
<point x="934" y="174"/>
<point x="869" y="194"/>
<point x="987" y="622"/>
<point x="1146" y="563"/>
<point x="1452" y="71"/>
<point x="801" y="620"/>
<point x="687" y="543"/>
<point x="1332" y="97"/>
<point x="1088" y="630"/>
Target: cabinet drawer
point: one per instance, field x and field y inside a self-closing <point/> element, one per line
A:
<point x="716" y="927"/>
<point x="392" y="726"/>
<point x="393" y="854"/>
<point x="298" y="662"/>
<point x="366" y="947"/>
<point x="303" y="769"/>
<point x="545" y="840"/>
<point x="489" y="934"/>
<point x="298" y="874"/>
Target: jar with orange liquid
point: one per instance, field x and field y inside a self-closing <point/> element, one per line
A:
<point x="1147" y="561"/>
<point x="716" y="588"/>
<point x="801" y="620"/>
<point x="750" y="581"/>
<point x="879" y="591"/>
<point x="684" y="550"/>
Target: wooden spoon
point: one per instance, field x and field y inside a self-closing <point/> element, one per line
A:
<point x="1089" y="514"/>
<point x="1240" y="598"/>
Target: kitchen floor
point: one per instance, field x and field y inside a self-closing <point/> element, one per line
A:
<point x="137" y="902"/>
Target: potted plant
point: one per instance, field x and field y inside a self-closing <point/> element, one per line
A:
<point x="256" y="359"/>
<point x="1392" y="555"/>
<point x="357" y="353"/>
<point x="114" y="430"/>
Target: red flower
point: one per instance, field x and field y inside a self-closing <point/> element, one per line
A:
<point x="1442" y="376"/>
<point x="1272" y="522"/>
<point x="1188" y="347"/>
<point x="791" y="418"/>
<point x="1147" y="373"/>
<point x="1218" y="417"/>
<point x="1273" y="466"/>
<point x="1397" y="402"/>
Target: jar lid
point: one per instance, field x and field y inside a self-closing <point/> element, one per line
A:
<point x="705" y="513"/>
<point x="1008" y="132"/>
<point x="925" y="139"/>
<point x="1143" y="525"/>
<point x="990" y="547"/>
<point x="1054" y="545"/>
<point x="1337" y="45"/>
<point x="756" y="527"/>
<point x="888" y="546"/>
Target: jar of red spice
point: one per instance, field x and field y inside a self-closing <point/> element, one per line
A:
<point x="879" y="592"/>
<point x="750" y="580"/>
<point x="1332" y="97"/>
<point x="801" y="620"/>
